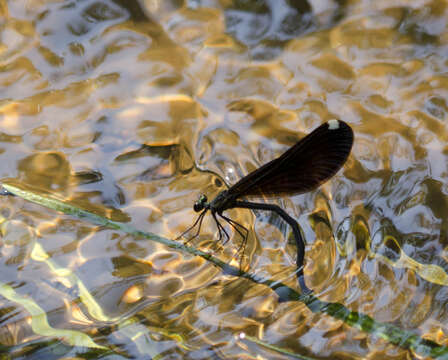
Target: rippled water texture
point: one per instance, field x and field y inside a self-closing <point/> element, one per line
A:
<point x="132" y="109"/>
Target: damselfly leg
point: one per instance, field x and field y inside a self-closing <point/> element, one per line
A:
<point x="236" y="225"/>
<point x="244" y="236"/>
<point x="220" y="227"/>
<point x="197" y="222"/>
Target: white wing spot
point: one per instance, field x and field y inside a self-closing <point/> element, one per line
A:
<point x="333" y="124"/>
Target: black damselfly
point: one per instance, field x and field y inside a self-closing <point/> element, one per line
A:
<point x="302" y="168"/>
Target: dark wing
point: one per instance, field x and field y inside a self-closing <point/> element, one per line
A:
<point x="306" y="165"/>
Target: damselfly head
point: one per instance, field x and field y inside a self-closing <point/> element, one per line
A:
<point x="200" y="204"/>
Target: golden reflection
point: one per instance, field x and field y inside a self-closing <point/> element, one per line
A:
<point x="133" y="294"/>
<point x="77" y="314"/>
<point x="14" y="333"/>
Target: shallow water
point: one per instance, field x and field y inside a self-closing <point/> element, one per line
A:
<point x="132" y="109"/>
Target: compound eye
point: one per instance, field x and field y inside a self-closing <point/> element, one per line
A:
<point x="198" y="206"/>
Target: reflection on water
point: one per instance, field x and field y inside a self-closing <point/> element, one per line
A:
<point x="132" y="109"/>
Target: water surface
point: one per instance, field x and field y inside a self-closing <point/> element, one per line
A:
<point x="133" y="109"/>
